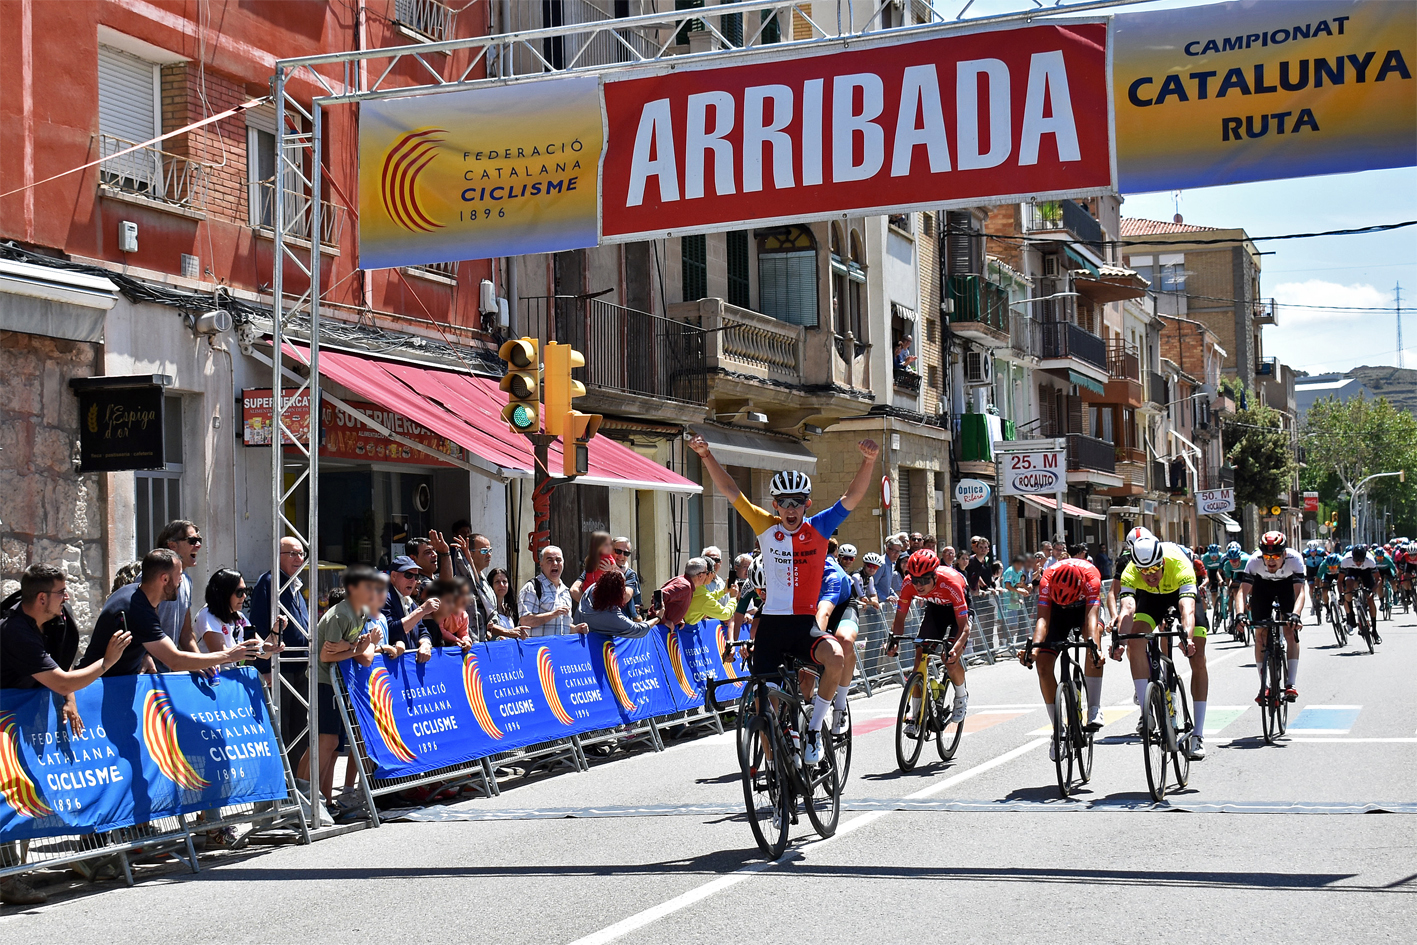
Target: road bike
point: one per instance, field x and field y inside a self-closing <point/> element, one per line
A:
<point x="775" y="776"/>
<point x="1274" y="704"/>
<point x="1072" y="739"/>
<point x="1362" y="616"/>
<point x="1385" y="602"/>
<point x="841" y="742"/>
<point x="1316" y="591"/>
<point x="1337" y="619"/>
<point x="1218" y="606"/>
<point x="930" y="691"/>
<point x="1165" y="713"/>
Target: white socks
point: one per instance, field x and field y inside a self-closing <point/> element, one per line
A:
<point x="1200" y="717"/>
<point x="819" y="713"/>
<point x="840" y="700"/>
<point x="1094" y="690"/>
<point x="1293" y="671"/>
<point x="1052" y="712"/>
<point x="1141" y="689"/>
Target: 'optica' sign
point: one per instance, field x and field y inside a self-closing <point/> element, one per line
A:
<point x="971" y="493"/>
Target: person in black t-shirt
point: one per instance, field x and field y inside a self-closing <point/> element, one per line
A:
<point x="25" y="660"/>
<point x="980" y="569"/>
<point x="134" y="608"/>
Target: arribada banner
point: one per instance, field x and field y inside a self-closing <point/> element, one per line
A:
<point x="990" y="116"/>
<point x="152" y="746"/>
<point x="479" y="173"/>
<point x="1247" y="91"/>
<point x="510" y="694"/>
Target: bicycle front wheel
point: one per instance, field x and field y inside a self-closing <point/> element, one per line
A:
<point x="1154" y="740"/>
<point x="747" y="709"/>
<point x="766" y="792"/>
<point x="1077" y="722"/>
<point x="1183" y="727"/>
<point x="823" y="795"/>
<point x="947" y="733"/>
<point x="842" y="743"/>
<point x="1365" y="630"/>
<point x="1340" y="629"/>
<point x="1062" y="740"/>
<point x="911" y="713"/>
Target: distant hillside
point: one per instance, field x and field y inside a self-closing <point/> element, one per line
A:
<point x="1398" y="385"/>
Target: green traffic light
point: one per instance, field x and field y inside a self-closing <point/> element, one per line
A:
<point x="522" y="417"/>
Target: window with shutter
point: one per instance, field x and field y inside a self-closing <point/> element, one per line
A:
<point x="902" y="497"/>
<point x="961" y="244"/>
<point x="693" y="251"/>
<point x="787" y="275"/>
<point x="128" y="114"/>
<point x="739" y="290"/>
<point x="1074" y="408"/>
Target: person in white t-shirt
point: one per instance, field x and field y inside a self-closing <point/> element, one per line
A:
<point x="220" y="625"/>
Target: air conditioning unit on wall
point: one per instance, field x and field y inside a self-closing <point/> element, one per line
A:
<point x="978" y="369"/>
<point x="1052" y="267"/>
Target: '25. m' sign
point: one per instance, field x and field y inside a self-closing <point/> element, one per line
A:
<point x="959" y="120"/>
<point x="1039" y="473"/>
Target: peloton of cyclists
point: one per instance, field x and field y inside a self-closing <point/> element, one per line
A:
<point x="1275" y="577"/>
<point x="794" y="552"/>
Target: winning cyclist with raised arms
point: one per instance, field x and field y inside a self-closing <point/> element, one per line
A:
<point x="794" y="552"/>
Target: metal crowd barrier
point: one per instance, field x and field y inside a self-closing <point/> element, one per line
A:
<point x="89" y="853"/>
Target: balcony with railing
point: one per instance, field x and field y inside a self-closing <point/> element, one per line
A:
<point x="300" y="210"/>
<point x="1026" y="336"/>
<point x="1221" y="478"/>
<point x="906" y="381"/>
<point x="151" y="174"/>
<point x="1267" y="367"/>
<point x="1063" y="216"/>
<point x="1070" y="347"/>
<point x="1158" y="390"/>
<point x="981" y="310"/>
<point x="1091" y="453"/>
<point x="1131" y="466"/>
<point x="743" y="342"/>
<point x="627" y="352"/>
<point x="1123" y="375"/>
<point x="429" y="20"/>
<point x="1265" y="312"/>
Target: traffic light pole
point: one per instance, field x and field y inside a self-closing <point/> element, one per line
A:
<point x="540" y="535"/>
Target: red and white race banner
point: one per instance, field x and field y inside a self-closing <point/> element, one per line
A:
<point x="994" y="116"/>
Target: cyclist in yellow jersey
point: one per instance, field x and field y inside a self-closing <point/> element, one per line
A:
<point x="1159" y="579"/>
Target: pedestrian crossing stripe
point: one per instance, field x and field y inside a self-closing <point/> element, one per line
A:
<point x="1110" y="714"/>
<point x="1325" y="720"/>
<point x="1217" y="717"/>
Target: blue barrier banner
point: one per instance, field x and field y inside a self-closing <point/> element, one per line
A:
<point x="511" y="694"/>
<point x="152" y="746"/>
<point x="703" y="644"/>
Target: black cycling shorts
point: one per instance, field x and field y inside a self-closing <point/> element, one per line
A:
<point x="1266" y="595"/>
<point x="1311" y="571"/>
<point x="938" y="623"/>
<point x="780" y="637"/>
<point x="840" y="612"/>
<point x="1062" y="623"/>
<point x="1153" y="608"/>
<point x="1368" y="577"/>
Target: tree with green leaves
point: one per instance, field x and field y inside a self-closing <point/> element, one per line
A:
<point x="1347" y="441"/>
<point x="1262" y="454"/>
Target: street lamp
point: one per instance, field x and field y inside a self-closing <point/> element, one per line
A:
<point x="1045" y="298"/>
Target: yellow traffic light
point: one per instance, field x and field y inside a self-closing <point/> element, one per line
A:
<point x="576" y="431"/>
<point x="561" y="359"/>
<point x="522" y="384"/>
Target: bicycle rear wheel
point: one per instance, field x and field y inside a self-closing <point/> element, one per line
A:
<point x="1062" y="740"/>
<point x="912" y="708"/>
<point x="766" y="791"/>
<point x="1153" y="737"/>
<point x="947" y="733"/>
<point x="823" y="794"/>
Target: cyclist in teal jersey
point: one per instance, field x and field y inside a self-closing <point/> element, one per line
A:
<point x="1211" y="561"/>
<point x="1231" y="569"/>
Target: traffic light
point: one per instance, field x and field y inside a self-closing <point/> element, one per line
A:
<point x="576" y="431"/>
<point x="560" y="389"/>
<point x="522" y="384"/>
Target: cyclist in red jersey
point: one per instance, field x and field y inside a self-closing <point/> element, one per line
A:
<point x="794" y="554"/>
<point x="946" y="617"/>
<point x="1069" y="601"/>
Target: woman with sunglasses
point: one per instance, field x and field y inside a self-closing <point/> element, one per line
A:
<point x="220" y="624"/>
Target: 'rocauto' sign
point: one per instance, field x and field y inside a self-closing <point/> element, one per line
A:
<point x="952" y="121"/>
<point x="1215" y="501"/>
<point x="1036" y="473"/>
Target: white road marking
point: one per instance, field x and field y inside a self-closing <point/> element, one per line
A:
<point x="653" y="914"/>
<point x="1333" y="740"/>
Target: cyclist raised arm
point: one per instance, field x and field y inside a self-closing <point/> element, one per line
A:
<point x="728" y="488"/>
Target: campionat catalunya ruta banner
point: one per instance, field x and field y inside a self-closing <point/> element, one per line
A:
<point x="479" y="173"/>
<point x="152" y="746"/>
<point x="962" y="119"/>
<point x="1252" y="90"/>
<point x="510" y="694"/>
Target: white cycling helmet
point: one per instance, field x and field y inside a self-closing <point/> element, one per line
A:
<point x="756" y="573"/>
<point x="1146" y="550"/>
<point x="1234" y="546"/>
<point x="791" y="482"/>
<point x="1138" y="533"/>
<point x="846" y="551"/>
<point x="873" y="558"/>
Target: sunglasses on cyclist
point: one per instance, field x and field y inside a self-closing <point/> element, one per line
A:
<point x="1278" y="557"/>
<point x="922" y="580"/>
<point x="791" y="501"/>
<point x="1153" y="569"/>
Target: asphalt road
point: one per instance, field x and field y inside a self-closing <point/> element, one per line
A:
<point x="1108" y="866"/>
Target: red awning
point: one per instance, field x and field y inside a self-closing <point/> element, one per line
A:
<point x="468" y="410"/>
<point x="1048" y="504"/>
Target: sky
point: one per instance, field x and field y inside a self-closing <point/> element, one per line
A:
<point x="1358" y="271"/>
